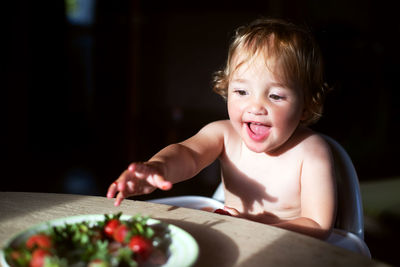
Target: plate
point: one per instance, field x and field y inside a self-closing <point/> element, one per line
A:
<point x="183" y="249"/>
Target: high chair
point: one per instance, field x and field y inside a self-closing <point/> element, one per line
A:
<point x="348" y="231"/>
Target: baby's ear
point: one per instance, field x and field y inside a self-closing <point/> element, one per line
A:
<point x="305" y="115"/>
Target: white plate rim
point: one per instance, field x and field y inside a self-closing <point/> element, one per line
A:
<point x="178" y="235"/>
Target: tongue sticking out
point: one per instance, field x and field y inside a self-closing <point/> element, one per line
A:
<point x="258" y="129"/>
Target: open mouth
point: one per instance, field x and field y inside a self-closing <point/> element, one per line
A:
<point x="257" y="131"/>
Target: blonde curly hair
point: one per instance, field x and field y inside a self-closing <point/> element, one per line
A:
<point x="295" y="54"/>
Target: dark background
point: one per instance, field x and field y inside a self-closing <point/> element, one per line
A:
<point x="82" y="101"/>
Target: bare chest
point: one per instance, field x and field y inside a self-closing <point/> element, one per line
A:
<point x="255" y="185"/>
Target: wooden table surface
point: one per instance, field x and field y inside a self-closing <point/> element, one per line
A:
<point x="223" y="240"/>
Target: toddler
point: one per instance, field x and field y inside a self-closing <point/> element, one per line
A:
<point x="275" y="170"/>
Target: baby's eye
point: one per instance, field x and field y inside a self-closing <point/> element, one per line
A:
<point x="276" y="97"/>
<point x="240" y="92"/>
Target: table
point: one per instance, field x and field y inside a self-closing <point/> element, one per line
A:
<point x="223" y="240"/>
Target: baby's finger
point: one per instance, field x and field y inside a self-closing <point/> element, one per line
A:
<point x="232" y="211"/>
<point x="119" y="199"/>
<point x="132" y="167"/>
<point x="159" y="182"/>
<point x="138" y="170"/>
<point x="222" y="212"/>
<point x="112" y="190"/>
<point x="122" y="180"/>
<point x="131" y="186"/>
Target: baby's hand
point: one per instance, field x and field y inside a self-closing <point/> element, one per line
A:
<point x="138" y="179"/>
<point x="228" y="211"/>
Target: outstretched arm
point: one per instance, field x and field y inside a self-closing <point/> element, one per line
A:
<point x="174" y="163"/>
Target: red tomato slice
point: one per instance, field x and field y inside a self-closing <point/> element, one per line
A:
<point x="120" y="233"/>
<point x="141" y="246"/>
<point x="40" y="240"/>
<point x="111" y="226"/>
<point x="38" y="257"/>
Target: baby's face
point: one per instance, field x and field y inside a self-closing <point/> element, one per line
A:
<point x="264" y="112"/>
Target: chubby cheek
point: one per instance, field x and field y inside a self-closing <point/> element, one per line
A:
<point x="235" y="112"/>
<point x="287" y="118"/>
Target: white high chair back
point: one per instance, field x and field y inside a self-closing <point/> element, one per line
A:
<point x="349" y="226"/>
<point x="349" y="211"/>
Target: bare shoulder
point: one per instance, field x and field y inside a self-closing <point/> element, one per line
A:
<point x="208" y="139"/>
<point x="220" y="123"/>
<point x="217" y="127"/>
<point x="213" y="132"/>
<point x="313" y="145"/>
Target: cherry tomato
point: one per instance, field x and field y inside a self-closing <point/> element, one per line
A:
<point x="39" y="240"/>
<point x="141" y="246"/>
<point x="223" y="212"/>
<point x="38" y="257"/>
<point x="111" y="226"/>
<point x="120" y="233"/>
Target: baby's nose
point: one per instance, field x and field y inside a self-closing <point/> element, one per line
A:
<point x="257" y="108"/>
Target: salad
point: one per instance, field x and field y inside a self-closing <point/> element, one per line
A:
<point x="112" y="241"/>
